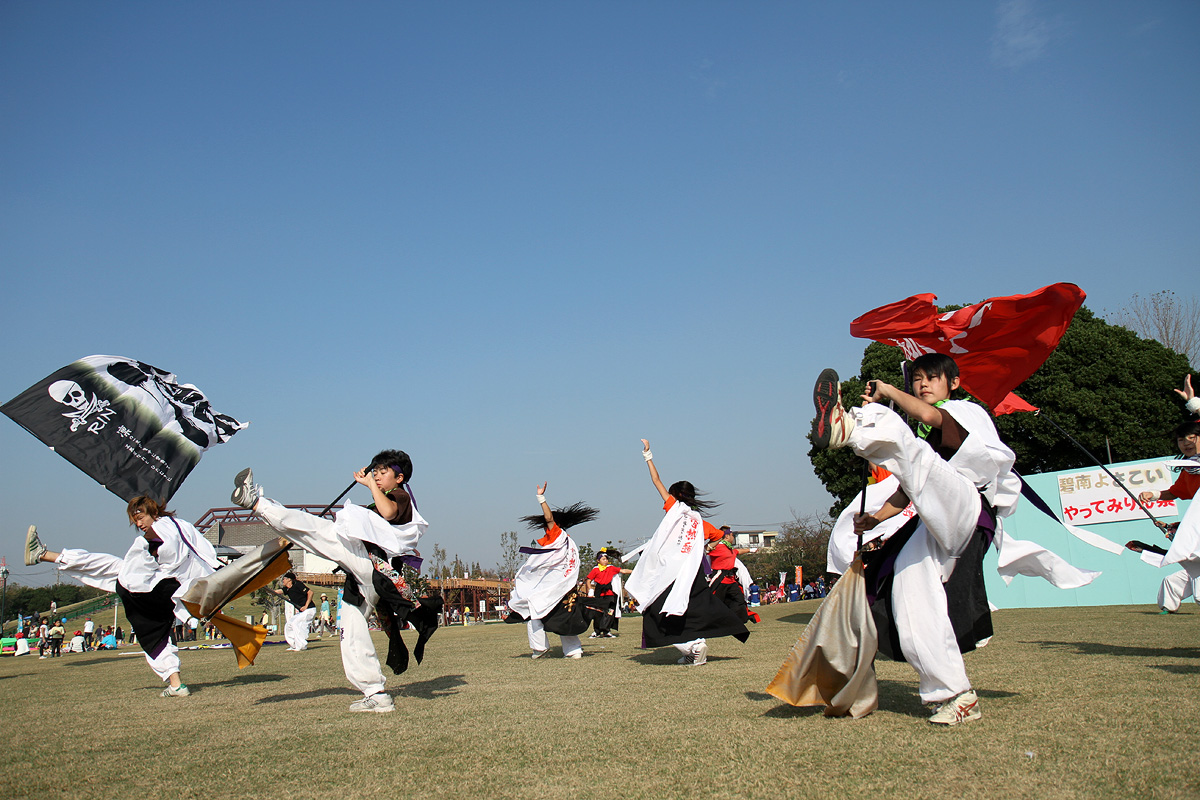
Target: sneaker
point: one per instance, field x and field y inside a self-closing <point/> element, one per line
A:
<point x="539" y="653"/>
<point x="959" y="709"/>
<point x="171" y="691"/>
<point x="832" y="426"/>
<point x="700" y="654"/>
<point x="1165" y="611"/>
<point x="34" y="549"/>
<point x="574" y="655"/>
<point x="245" y="492"/>
<point x="686" y="661"/>
<point x="380" y="703"/>
<point x="593" y="636"/>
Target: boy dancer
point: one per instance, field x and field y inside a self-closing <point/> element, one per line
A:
<point x="959" y="478"/>
<point x="160" y="566"/>
<point x="369" y="544"/>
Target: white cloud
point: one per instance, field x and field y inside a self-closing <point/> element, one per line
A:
<point x="1022" y="35"/>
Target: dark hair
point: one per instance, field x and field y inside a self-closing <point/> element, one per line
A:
<point x="568" y="517"/>
<point x="1186" y="429"/>
<point x="398" y="460"/>
<point x="935" y="365"/>
<point x="148" y="506"/>
<point x="689" y="495"/>
<point x="291" y="576"/>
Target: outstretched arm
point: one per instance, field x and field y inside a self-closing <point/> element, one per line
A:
<point x="658" y="484"/>
<point x="541" y="496"/>
<point x="1189" y="395"/>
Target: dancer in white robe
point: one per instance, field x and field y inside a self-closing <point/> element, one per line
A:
<point x="678" y="606"/>
<point x="367" y="543"/>
<point x="160" y="566"/>
<point x="961" y="485"/>
<point x="1185" y="549"/>
<point x="545" y="594"/>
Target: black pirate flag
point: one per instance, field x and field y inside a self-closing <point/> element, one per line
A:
<point x="132" y="427"/>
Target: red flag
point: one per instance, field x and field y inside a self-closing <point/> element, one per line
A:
<point x="997" y="343"/>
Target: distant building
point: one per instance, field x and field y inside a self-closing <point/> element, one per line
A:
<point x="744" y="540"/>
<point x="236" y="531"/>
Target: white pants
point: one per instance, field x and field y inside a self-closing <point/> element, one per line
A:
<point x="948" y="505"/>
<point x="540" y="642"/>
<point x="320" y="537"/>
<point x="295" y="632"/>
<point x="100" y="570"/>
<point x="1179" y="586"/>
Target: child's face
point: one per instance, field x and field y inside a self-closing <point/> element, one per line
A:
<point x="143" y="521"/>
<point x="386" y="479"/>
<point x="1187" y="444"/>
<point x="931" y="389"/>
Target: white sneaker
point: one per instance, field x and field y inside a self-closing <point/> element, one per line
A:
<point x="34" y="549"/>
<point x="380" y="703"/>
<point x="700" y="654"/>
<point x="171" y="691"/>
<point x="539" y="653"/>
<point x="958" y="709"/>
<point x="245" y="491"/>
<point x="832" y="426"/>
<point x="574" y="655"/>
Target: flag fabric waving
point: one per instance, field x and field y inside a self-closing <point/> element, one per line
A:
<point x="132" y="427"/>
<point x="997" y="344"/>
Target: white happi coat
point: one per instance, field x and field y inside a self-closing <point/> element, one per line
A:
<point x="545" y="578"/>
<point x="672" y="556"/>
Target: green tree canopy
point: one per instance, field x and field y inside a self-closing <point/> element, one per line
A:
<point x="1105" y="385"/>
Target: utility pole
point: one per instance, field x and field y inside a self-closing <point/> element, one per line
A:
<point x="3" y="592"/>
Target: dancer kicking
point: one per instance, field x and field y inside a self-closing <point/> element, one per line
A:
<point x="678" y="607"/>
<point x="544" y="593"/>
<point x="160" y="566"/>
<point x="959" y="478"/>
<point x="370" y="544"/>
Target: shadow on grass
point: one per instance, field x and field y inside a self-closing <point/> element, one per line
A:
<point x="17" y="675"/>
<point x="798" y="619"/>
<point x="661" y="658"/>
<point x="91" y="661"/>
<point x="1178" y="669"/>
<point x="445" y="686"/>
<point x="1103" y="649"/>
<point x="283" y="698"/>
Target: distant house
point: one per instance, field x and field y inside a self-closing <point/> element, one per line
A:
<point x="236" y="531"/>
<point x="744" y="540"/>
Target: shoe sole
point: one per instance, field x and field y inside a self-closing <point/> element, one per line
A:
<point x="240" y="486"/>
<point x="825" y="396"/>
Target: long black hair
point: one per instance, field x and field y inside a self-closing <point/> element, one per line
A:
<point x="689" y="495"/>
<point x="568" y="517"/>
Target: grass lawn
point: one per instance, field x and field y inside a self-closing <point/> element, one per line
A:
<point x="1077" y="702"/>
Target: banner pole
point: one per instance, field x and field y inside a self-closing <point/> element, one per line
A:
<point x="1116" y="480"/>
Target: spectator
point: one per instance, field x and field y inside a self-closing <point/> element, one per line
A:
<point x="89" y="630"/>
<point x="56" y="634"/>
<point x="78" y="643"/>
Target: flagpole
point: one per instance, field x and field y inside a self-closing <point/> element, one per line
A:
<point x="1116" y="480"/>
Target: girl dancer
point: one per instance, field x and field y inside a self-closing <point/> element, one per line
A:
<point x="678" y="607"/>
<point x="544" y="593"/>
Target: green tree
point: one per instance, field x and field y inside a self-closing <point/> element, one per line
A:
<point x="1104" y="385"/>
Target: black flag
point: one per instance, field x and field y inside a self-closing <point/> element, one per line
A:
<point x="132" y="427"/>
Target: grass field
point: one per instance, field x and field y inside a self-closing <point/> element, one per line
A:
<point x="1077" y="702"/>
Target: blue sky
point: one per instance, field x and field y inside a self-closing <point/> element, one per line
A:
<point x="514" y="238"/>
